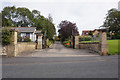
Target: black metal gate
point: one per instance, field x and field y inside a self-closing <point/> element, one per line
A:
<point x="73" y="42"/>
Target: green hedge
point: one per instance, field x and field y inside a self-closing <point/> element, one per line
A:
<point x="6" y="37"/>
<point x="85" y="39"/>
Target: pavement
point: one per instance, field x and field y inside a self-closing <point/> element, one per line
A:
<point x="60" y="62"/>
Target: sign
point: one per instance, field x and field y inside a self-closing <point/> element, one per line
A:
<point x="39" y="39"/>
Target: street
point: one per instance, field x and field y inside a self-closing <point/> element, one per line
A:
<point x="60" y="62"/>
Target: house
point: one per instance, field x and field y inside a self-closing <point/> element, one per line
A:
<point x="26" y="32"/>
<point x="86" y="32"/>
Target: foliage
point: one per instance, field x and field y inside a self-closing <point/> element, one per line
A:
<point x="112" y="22"/>
<point x="23" y="17"/>
<point x="27" y="39"/>
<point x="85" y="38"/>
<point x="91" y="33"/>
<point x="68" y="43"/>
<point x="19" y="38"/>
<point x="48" y="43"/>
<point x="6" y="37"/>
<point x="57" y="38"/>
<point x="67" y="29"/>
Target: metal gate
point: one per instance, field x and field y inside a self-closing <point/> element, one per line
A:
<point x="73" y="42"/>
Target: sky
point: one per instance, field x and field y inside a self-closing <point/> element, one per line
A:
<point x="87" y="14"/>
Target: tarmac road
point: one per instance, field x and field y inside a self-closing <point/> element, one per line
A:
<point x="60" y="62"/>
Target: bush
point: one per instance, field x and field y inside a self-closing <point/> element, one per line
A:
<point x="6" y="37"/>
<point x="48" y="43"/>
<point x="85" y="39"/>
<point x="66" y="42"/>
<point x="27" y="39"/>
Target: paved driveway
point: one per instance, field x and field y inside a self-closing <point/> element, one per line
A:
<point x="61" y="62"/>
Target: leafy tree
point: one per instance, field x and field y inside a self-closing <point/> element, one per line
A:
<point x="6" y="37"/>
<point x="91" y="33"/>
<point x="67" y="29"/>
<point x="112" y="22"/>
<point x="8" y="15"/>
<point x="23" y="17"/>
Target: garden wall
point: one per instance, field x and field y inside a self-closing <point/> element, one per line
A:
<point x="94" y="46"/>
<point x="19" y="48"/>
<point x="25" y="47"/>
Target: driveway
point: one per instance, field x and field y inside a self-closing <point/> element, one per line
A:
<point x="58" y="50"/>
<point x="60" y="62"/>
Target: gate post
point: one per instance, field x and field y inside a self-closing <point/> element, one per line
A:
<point x="103" y="42"/>
<point x="76" y="42"/>
<point x="39" y="44"/>
<point x="12" y="48"/>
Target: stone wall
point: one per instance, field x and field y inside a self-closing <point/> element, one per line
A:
<point x="94" y="46"/>
<point x="25" y="47"/>
<point x="19" y="48"/>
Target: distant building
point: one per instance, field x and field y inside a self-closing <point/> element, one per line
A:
<point x="86" y="32"/>
<point x="119" y="6"/>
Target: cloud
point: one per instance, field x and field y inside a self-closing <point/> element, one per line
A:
<point x="86" y="14"/>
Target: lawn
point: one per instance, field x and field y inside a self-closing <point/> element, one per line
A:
<point x="113" y="46"/>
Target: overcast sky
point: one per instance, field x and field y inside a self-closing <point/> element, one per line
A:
<point x="87" y="14"/>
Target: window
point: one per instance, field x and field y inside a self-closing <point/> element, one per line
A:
<point x="28" y="35"/>
<point x="86" y="32"/>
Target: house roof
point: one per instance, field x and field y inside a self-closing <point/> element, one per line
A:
<point x="24" y="29"/>
<point x="94" y="32"/>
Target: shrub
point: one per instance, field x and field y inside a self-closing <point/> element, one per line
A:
<point x="66" y="42"/>
<point x="85" y="38"/>
<point x="27" y="39"/>
<point x="6" y="37"/>
<point x="48" y="43"/>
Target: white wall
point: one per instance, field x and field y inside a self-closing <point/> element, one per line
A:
<point x="23" y="34"/>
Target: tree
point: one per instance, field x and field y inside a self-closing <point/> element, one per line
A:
<point x="6" y="37"/>
<point x="67" y="29"/>
<point x="23" y="17"/>
<point x="112" y="22"/>
<point x="91" y="33"/>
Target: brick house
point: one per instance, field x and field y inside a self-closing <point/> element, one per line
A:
<point x="86" y="32"/>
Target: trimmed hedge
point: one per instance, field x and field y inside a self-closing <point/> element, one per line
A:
<point x="85" y="39"/>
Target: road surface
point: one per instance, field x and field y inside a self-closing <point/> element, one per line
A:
<point x="60" y="62"/>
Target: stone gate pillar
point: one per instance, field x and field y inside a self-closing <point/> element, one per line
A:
<point x="39" y="44"/>
<point x="12" y="48"/>
<point x="76" y="42"/>
<point x="103" y="42"/>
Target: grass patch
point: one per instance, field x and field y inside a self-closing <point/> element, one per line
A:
<point x="88" y="41"/>
<point x="112" y="46"/>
